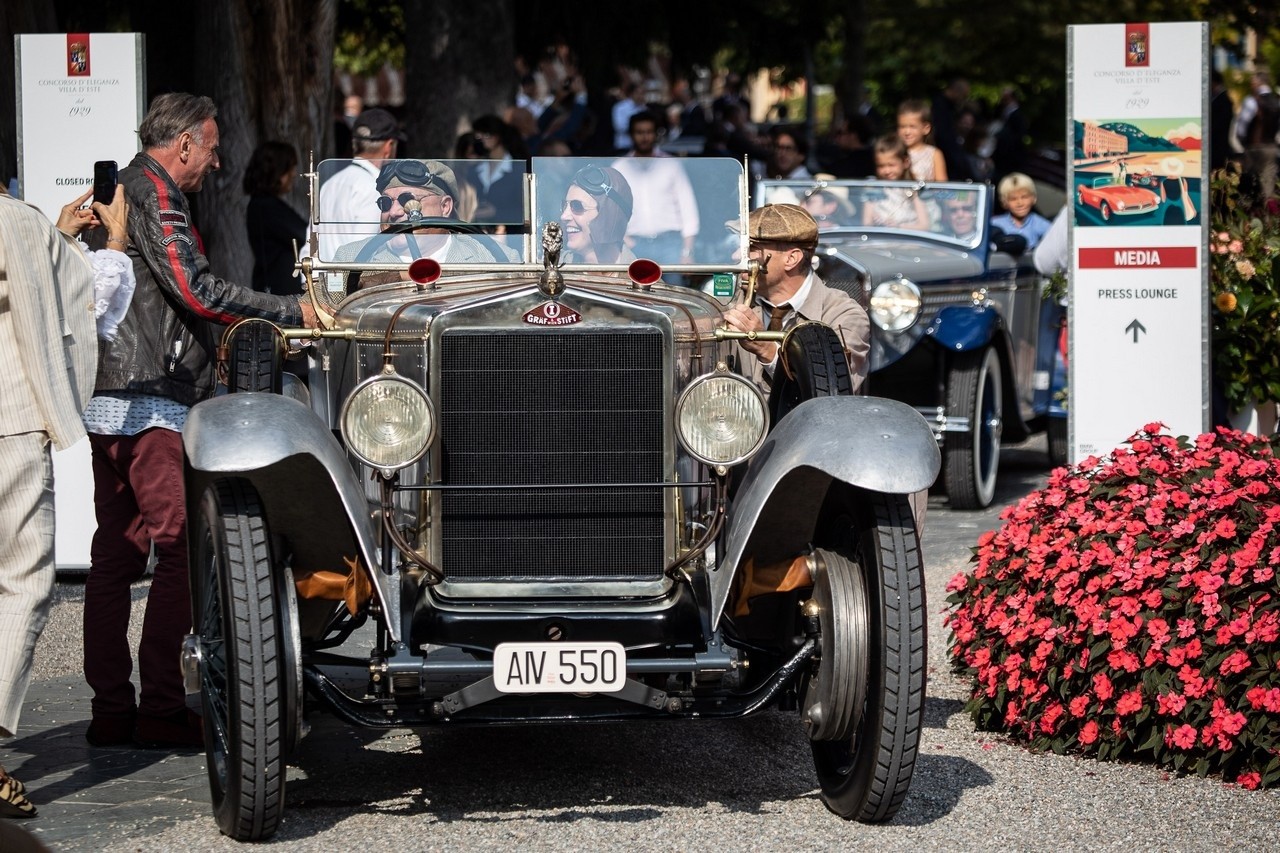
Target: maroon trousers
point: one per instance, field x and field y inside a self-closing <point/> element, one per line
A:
<point x="139" y="499"/>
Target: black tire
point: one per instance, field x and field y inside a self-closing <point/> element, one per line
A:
<point x="972" y="459"/>
<point x="865" y="776"/>
<point x="256" y="359"/>
<point x="818" y="368"/>
<point x="1059" y="448"/>
<point x="243" y="670"/>
<point x="1104" y="210"/>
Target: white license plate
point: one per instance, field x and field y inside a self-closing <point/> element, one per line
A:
<point x="559" y="667"/>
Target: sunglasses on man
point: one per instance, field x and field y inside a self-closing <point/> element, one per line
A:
<point x="385" y="202"/>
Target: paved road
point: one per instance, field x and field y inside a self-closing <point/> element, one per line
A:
<point x="732" y="785"/>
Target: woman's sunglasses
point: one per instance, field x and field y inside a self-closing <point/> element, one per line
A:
<point x="576" y="206"/>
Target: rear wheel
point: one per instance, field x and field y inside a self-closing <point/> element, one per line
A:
<point x="870" y="684"/>
<point x="249" y="700"/>
<point x="813" y="364"/>
<point x="974" y="394"/>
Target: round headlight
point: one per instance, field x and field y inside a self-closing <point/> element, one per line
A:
<point x="721" y="419"/>
<point x="388" y="422"/>
<point x="895" y="305"/>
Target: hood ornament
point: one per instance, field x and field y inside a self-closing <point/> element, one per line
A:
<point x="551" y="282"/>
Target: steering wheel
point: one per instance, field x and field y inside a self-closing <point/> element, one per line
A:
<point x="453" y="226"/>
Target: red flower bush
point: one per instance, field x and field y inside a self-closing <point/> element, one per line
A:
<point x="1130" y="609"/>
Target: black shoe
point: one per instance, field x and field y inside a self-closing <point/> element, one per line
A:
<point x="110" y="730"/>
<point x="179" y="730"/>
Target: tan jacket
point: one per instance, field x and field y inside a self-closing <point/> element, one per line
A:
<point x="838" y="310"/>
<point x="51" y="298"/>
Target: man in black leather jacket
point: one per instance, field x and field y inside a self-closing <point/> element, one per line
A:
<point x="159" y="365"/>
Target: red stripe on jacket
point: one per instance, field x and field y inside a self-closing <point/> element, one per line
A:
<point x="175" y="262"/>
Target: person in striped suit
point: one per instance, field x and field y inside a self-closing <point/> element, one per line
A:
<point x="49" y="349"/>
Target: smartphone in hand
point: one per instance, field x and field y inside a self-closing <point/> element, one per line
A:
<point x="105" y="178"/>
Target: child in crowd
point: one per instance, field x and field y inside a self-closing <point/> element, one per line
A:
<point x="1018" y="195"/>
<point x="914" y="127"/>
<point x="896" y="207"/>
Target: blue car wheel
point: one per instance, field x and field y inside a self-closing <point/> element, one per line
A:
<point x="972" y="457"/>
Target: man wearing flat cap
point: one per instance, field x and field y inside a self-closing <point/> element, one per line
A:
<point x="782" y="238"/>
<point x="348" y="198"/>
<point x="409" y="192"/>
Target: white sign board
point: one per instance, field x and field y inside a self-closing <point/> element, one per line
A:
<point x="1138" y="182"/>
<point x="79" y="99"/>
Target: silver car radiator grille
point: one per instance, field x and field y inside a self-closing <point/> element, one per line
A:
<point x="545" y="438"/>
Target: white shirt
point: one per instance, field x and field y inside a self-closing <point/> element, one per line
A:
<point x="348" y="208"/>
<point x="622" y="113"/>
<point x="662" y="197"/>
<point x="1051" y="252"/>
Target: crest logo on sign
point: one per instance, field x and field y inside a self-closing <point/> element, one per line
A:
<point x="552" y="314"/>
<point x="1137" y="45"/>
<point x="77" y="54"/>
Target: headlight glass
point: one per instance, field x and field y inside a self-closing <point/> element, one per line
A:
<point x="721" y="419"/>
<point x="388" y="422"/>
<point x="895" y="305"/>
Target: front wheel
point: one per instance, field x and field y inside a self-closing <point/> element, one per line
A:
<point x="245" y="688"/>
<point x="869" y="689"/>
<point x="972" y="457"/>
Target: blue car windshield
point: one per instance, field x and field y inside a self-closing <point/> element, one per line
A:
<point x="950" y="212"/>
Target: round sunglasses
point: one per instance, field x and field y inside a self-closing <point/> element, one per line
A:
<point x="385" y="202"/>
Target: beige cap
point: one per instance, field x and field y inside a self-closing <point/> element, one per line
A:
<point x="783" y="223"/>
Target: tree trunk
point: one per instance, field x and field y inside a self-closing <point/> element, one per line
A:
<point x="854" y="68"/>
<point x="17" y="16"/>
<point x="268" y="64"/>
<point x="458" y="66"/>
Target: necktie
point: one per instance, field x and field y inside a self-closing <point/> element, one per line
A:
<point x="776" y="313"/>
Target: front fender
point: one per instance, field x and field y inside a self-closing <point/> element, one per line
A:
<point x="868" y="442"/>
<point x="960" y="328"/>
<point x="301" y="473"/>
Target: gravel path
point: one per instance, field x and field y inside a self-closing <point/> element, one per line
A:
<point x="734" y="785"/>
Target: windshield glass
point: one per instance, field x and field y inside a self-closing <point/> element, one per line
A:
<point x="679" y="212"/>
<point x="459" y="211"/>
<point x="952" y="212"/>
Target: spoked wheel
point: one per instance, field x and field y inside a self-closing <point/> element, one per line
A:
<point x="974" y="393"/>
<point x="869" y="687"/>
<point x="248" y="662"/>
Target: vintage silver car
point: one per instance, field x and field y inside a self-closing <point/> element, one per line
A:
<point x="529" y="488"/>
<point x="962" y="326"/>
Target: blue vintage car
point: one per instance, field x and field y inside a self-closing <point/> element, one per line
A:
<point x="961" y="325"/>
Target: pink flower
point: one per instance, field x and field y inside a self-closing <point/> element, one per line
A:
<point x="1235" y="662"/>
<point x="1129" y="703"/>
<point x="1250" y="780"/>
<point x="1102" y="686"/>
<point x="1170" y="704"/>
<point x="1184" y="736"/>
<point x="1089" y="732"/>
